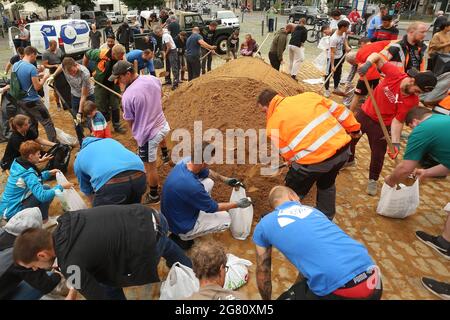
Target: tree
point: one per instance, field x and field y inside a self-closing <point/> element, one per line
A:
<point x="85" y="5"/>
<point x="15" y="8"/>
<point x="142" y="5"/>
<point x="46" y="4"/>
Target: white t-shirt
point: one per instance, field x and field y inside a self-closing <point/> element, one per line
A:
<point x="334" y="23"/>
<point x="167" y="39"/>
<point x="337" y="42"/>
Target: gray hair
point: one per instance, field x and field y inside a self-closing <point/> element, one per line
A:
<point x="157" y="29"/>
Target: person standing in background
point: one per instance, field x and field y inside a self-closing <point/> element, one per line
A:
<point x="209" y="35"/>
<point x="278" y="46"/>
<point x="51" y="59"/>
<point x="95" y="37"/>
<point x="296" y="48"/>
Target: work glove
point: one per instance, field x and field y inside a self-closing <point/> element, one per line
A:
<point x="393" y="155"/>
<point x="243" y="203"/>
<point x="50" y="80"/>
<point x="364" y="68"/>
<point x="233" y="182"/>
<point x="79" y="118"/>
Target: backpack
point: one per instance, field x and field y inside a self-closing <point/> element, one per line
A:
<point x="61" y="157"/>
<point x="15" y="89"/>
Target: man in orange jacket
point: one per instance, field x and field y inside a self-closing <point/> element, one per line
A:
<point x="313" y="134"/>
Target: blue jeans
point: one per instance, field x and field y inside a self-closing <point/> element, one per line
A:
<point x="25" y="292"/>
<point x="75" y="104"/>
<point x="168" y="249"/>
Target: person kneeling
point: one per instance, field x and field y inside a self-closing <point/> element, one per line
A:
<point x="187" y="203"/>
<point x="24" y="188"/>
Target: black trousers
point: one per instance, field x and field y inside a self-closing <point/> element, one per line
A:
<point x="127" y="47"/>
<point x="127" y="192"/>
<point x="193" y="66"/>
<point x="271" y="23"/>
<point x="207" y="61"/>
<point x="301" y="178"/>
<point x="336" y="76"/>
<point x="274" y="61"/>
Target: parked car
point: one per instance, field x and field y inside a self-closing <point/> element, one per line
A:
<point x="345" y="10"/>
<point x="98" y="17"/>
<point x="226" y="18"/>
<point x="311" y="14"/>
<point x="132" y="14"/>
<point x="115" y="17"/>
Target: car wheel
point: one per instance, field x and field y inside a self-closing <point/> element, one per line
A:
<point x="309" y="21"/>
<point x="222" y="45"/>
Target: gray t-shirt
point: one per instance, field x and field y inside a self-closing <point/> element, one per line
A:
<point x="337" y="42"/>
<point x="53" y="57"/>
<point x="80" y="80"/>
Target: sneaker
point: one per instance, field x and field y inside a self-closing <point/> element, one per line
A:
<point x="372" y="188"/>
<point x="440" y="289"/>
<point x="185" y="245"/>
<point x="326" y="93"/>
<point x="339" y="92"/>
<point x="432" y="241"/>
<point x="120" y="130"/>
<point x="51" y="222"/>
<point x="149" y="199"/>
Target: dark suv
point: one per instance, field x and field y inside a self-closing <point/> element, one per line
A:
<point x="311" y="14"/>
<point x="98" y="17"/>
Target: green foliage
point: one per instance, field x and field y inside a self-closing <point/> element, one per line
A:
<point x="85" y="5"/>
<point x="142" y="5"/>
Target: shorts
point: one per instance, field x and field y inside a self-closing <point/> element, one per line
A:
<point x="148" y="151"/>
<point x="361" y="89"/>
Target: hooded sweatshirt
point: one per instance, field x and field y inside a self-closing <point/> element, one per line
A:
<point x="279" y="43"/>
<point x="124" y="251"/>
<point x="11" y="275"/>
<point x="24" y="179"/>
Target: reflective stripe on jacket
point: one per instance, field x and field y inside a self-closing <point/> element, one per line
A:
<point x="308" y="128"/>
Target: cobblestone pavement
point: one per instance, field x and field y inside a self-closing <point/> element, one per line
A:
<point x="402" y="258"/>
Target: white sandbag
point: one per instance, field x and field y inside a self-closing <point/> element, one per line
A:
<point x="399" y="203"/>
<point x="65" y="138"/>
<point x="237" y="274"/>
<point x="70" y="199"/>
<point x="241" y="218"/>
<point x="46" y="89"/>
<point x="181" y="283"/>
<point x="320" y="62"/>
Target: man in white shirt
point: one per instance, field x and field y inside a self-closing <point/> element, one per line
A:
<point x="171" y="55"/>
<point x="336" y="17"/>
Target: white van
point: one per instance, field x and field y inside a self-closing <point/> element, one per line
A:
<point x="71" y="35"/>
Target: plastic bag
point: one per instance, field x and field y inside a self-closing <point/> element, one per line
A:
<point x="65" y="138"/>
<point x="399" y="203"/>
<point x="181" y="283"/>
<point x="46" y="89"/>
<point x="241" y="218"/>
<point x="237" y="274"/>
<point x="320" y="62"/>
<point x="70" y="199"/>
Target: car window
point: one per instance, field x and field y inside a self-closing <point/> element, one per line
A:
<point x="188" y="21"/>
<point x="87" y="15"/>
<point x="99" y="14"/>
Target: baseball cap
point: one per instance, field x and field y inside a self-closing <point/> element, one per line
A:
<point x="426" y="80"/>
<point x="121" y="67"/>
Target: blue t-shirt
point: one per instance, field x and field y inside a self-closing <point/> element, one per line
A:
<point x="318" y="248"/>
<point x="137" y="55"/>
<point x="25" y="71"/>
<point x="183" y="196"/>
<point x="192" y="45"/>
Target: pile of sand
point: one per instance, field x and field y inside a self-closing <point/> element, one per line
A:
<point x="226" y="99"/>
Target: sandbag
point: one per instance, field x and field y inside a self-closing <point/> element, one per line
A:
<point x="241" y="218"/>
<point x="237" y="274"/>
<point x="320" y="62"/>
<point x="65" y="138"/>
<point x="398" y="203"/>
<point x="181" y="283"/>
<point x="70" y="199"/>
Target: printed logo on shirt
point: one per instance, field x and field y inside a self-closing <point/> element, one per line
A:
<point x="393" y="98"/>
<point x="300" y="212"/>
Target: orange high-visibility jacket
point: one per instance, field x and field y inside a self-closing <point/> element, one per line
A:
<point x="308" y="128"/>
<point x="445" y="103"/>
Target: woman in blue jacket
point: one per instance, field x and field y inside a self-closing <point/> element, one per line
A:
<point x="24" y="188"/>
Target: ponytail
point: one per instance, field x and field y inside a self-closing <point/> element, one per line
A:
<point x="18" y="121"/>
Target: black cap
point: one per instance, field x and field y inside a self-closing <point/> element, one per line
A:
<point x="121" y="67"/>
<point x="426" y="80"/>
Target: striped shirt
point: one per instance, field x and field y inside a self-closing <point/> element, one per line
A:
<point x="99" y="126"/>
